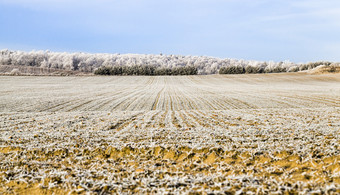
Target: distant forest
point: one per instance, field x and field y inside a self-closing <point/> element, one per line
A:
<point x="148" y="64"/>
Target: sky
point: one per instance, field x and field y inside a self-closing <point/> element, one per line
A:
<point x="278" y="30"/>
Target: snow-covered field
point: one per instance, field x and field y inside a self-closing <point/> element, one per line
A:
<point x="218" y="133"/>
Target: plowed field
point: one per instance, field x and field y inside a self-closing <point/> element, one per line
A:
<point x="270" y="133"/>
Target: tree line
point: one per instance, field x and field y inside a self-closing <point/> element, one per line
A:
<point x="147" y="64"/>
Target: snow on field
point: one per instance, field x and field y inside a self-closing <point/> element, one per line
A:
<point x="236" y="133"/>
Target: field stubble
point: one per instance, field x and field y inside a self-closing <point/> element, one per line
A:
<point x="211" y="134"/>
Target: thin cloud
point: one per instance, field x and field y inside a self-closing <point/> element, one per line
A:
<point x="259" y="29"/>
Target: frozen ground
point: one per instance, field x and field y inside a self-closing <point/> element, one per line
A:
<point x="235" y="133"/>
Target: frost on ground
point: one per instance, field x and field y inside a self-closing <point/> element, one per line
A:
<point x="272" y="133"/>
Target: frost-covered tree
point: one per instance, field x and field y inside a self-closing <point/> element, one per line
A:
<point x="162" y="63"/>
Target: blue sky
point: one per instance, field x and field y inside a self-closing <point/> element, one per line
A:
<point x="295" y="30"/>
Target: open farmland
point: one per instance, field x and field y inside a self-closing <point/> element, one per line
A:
<point x="170" y="134"/>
